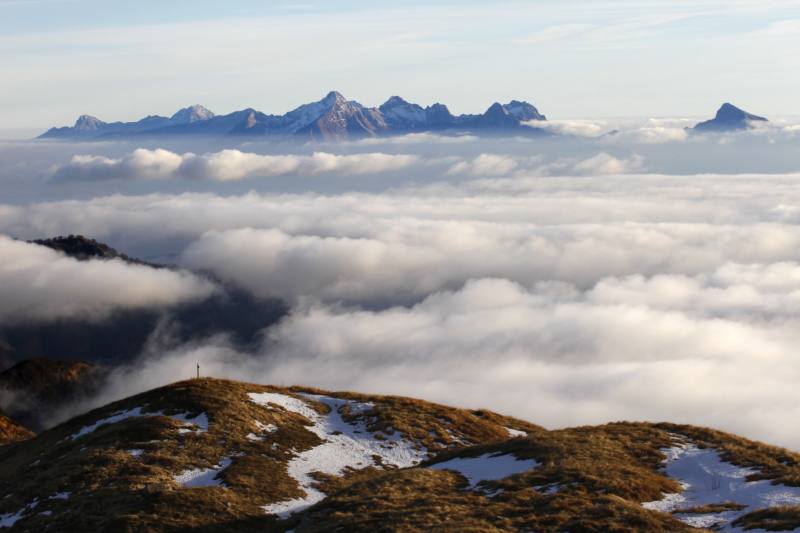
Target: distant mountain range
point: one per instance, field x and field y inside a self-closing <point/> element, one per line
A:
<point x="337" y="118"/>
<point x="332" y="118"/>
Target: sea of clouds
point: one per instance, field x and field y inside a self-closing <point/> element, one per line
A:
<point x="646" y="275"/>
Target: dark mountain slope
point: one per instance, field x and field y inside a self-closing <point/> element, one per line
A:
<point x="728" y="118"/>
<point x="83" y="248"/>
<point x="116" y="340"/>
<point x="32" y="389"/>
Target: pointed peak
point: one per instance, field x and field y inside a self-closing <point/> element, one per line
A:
<point x="523" y="110"/>
<point x="395" y="101"/>
<point x="334" y="96"/>
<point x="496" y="108"/>
<point x="728" y="108"/>
<point x="729" y="118"/>
<point x="194" y="113"/>
<point x="729" y="111"/>
<point x="88" y="122"/>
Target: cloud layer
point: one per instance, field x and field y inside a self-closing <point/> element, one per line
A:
<point x="565" y="281"/>
<point x="233" y="165"/>
<point x="40" y="284"/>
<point x="563" y="300"/>
<point x="226" y="165"/>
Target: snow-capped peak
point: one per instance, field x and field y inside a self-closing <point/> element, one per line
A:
<point x="399" y="112"/>
<point x="309" y="113"/>
<point x="87" y="123"/>
<point x="523" y="111"/>
<point x="190" y="114"/>
<point x="334" y="97"/>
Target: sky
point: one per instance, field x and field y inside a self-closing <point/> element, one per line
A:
<point x="572" y="58"/>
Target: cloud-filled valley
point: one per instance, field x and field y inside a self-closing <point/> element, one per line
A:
<point x="644" y="275"/>
<point x="39" y="284"/>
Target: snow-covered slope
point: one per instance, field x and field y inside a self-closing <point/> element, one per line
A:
<point x="715" y="492"/>
<point x="345" y="446"/>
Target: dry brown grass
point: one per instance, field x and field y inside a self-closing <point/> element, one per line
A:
<point x="437" y="427"/>
<point x="11" y="432"/>
<point x="785" y="518"/>
<point x="601" y="474"/>
<point x="114" y="491"/>
<point x="712" y="508"/>
<point x="591" y="479"/>
<point x="422" y="499"/>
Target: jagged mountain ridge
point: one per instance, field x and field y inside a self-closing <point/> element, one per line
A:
<point x="331" y="118"/>
<point x="212" y="455"/>
<point x="88" y="126"/>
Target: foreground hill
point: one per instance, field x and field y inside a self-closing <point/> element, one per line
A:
<point x="213" y="455"/>
<point x="332" y="118"/>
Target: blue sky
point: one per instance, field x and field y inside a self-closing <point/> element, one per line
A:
<point x="573" y="59"/>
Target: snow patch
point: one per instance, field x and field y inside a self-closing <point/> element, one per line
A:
<point x="487" y="467"/>
<point x="707" y="479"/>
<point x="345" y="445"/>
<point x="549" y="489"/>
<point x="263" y="430"/>
<point x="516" y="432"/>
<point x="60" y="496"/>
<point x="8" y="520"/>
<point x="136" y="452"/>
<point x="200" y="421"/>
<point x="203" y="477"/>
<point x="113" y="419"/>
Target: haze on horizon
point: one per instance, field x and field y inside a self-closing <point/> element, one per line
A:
<point x="572" y="59"/>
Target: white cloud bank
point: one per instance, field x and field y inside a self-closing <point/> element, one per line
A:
<point x="677" y="348"/>
<point x="234" y="165"/>
<point x="40" y="284"/>
<point x="226" y="165"/>
<point x="562" y="300"/>
<point x="712" y="350"/>
<point x="651" y="131"/>
<point x="495" y="165"/>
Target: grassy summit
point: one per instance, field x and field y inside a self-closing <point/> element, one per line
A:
<point x="212" y="455"/>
